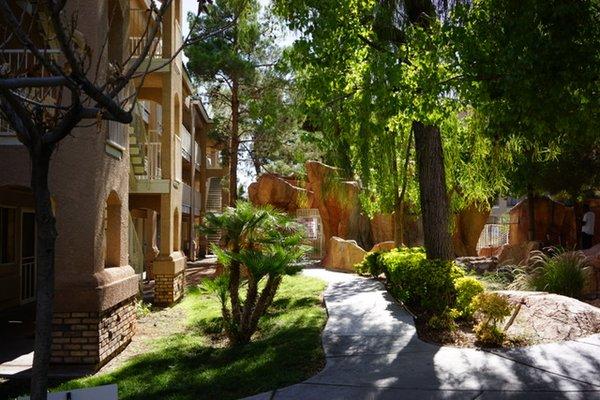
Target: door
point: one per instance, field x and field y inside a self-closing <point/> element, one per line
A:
<point x="28" y="270"/>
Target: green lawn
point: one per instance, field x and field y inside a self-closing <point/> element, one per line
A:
<point x="196" y="365"/>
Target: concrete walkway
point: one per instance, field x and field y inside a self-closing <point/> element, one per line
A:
<point x="373" y="352"/>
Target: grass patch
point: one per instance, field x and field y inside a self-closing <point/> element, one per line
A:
<point x="196" y="364"/>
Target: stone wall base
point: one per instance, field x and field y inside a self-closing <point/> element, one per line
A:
<point x="92" y="338"/>
<point x="168" y="289"/>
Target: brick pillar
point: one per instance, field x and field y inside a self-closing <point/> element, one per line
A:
<point x="168" y="288"/>
<point x="92" y="338"/>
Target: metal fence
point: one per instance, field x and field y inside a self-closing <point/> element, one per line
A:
<point x="493" y="235"/>
<point x="311" y="219"/>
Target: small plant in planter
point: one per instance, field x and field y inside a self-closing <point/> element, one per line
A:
<point x="263" y="244"/>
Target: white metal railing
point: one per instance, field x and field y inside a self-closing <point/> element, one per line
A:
<point x="311" y="219"/>
<point x="197" y="154"/>
<point x="153" y="168"/>
<point x="493" y="235"/>
<point x="186" y="143"/>
<point x="21" y="62"/>
<point x="28" y="279"/>
<point x="138" y="43"/>
<point x="139" y="20"/>
<point x="178" y="164"/>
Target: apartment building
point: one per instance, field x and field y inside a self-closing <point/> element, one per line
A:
<point x="120" y="194"/>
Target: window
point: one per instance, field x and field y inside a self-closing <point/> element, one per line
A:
<point x="7" y="235"/>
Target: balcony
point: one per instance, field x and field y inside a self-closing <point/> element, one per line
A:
<point x="140" y="23"/>
<point x="21" y="62"/>
<point x="186" y="200"/>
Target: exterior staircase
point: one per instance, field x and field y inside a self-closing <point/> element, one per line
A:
<point x="214" y="204"/>
<point x="136" y="155"/>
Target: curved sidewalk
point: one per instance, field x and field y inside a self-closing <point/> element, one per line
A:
<point x="373" y="352"/>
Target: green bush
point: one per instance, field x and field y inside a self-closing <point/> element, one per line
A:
<point x="426" y="286"/>
<point x="370" y="265"/>
<point x="492" y="308"/>
<point x="466" y="288"/>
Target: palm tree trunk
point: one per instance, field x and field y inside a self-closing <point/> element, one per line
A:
<point x="432" y="187"/>
<point x="45" y="248"/>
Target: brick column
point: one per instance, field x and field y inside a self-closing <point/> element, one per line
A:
<point x="169" y="288"/>
<point x="92" y="338"/>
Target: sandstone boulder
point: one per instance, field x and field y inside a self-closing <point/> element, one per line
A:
<point x="592" y="279"/>
<point x="343" y="254"/>
<point x="384" y="246"/>
<point x="546" y="317"/>
<point x="278" y="192"/>
<point x="516" y="254"/>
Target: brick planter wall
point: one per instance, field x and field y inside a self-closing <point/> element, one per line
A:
<point x="168" y="288"/>
<point x="92" y="338"/>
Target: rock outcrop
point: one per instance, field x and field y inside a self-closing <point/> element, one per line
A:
<point x="516" y="254"/>
<point x="279" y="192"/>
<point x="546" y="317"/>
<point x="343" y="254"/>
<point x="468" y="225"/>
<point x="384" y="246"/>
<point x="554" y="223"/>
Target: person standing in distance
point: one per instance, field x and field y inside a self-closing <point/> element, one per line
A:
<point x="587" y="228"/>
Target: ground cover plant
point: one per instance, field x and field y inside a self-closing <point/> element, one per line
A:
<point x="197" y="364"/>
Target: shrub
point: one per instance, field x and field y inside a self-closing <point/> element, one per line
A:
<point x="559" y="272"/>
<point x="370" y="265"/>
<point x="426" y="286"/>
<point x="466" y="288"/>
<point x="492" y="309"/>
<point x="265" y="244"/>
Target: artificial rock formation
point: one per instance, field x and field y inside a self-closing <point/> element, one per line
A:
<point x="516" y="254"/>
<point x="343" y="254"/>
<point x="278" y="192"/>
<point x="384" y="246"/>
<point x="546" y="317"/>
<point x="554" y="223"/>
<point x="468" y="225"/>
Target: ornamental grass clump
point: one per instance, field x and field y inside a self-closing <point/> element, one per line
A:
<point x="555" y="271"/>
<point x="258" y="247"/>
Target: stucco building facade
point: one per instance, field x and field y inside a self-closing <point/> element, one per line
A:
<point x="118" y="196"/>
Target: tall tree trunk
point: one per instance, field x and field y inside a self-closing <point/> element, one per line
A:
<point x="531" y="212"/>
<point x="45" y="247"/>
<point x="234" y="142"/>
<point x="432" y="187"/>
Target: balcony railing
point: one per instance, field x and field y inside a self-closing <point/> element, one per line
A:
<point x="187" y="197"/>
<point x="153" y="168"/>
<point x="186" y="143"/>
<point x="21" y="62"/>
<point x="139" y="22"/>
